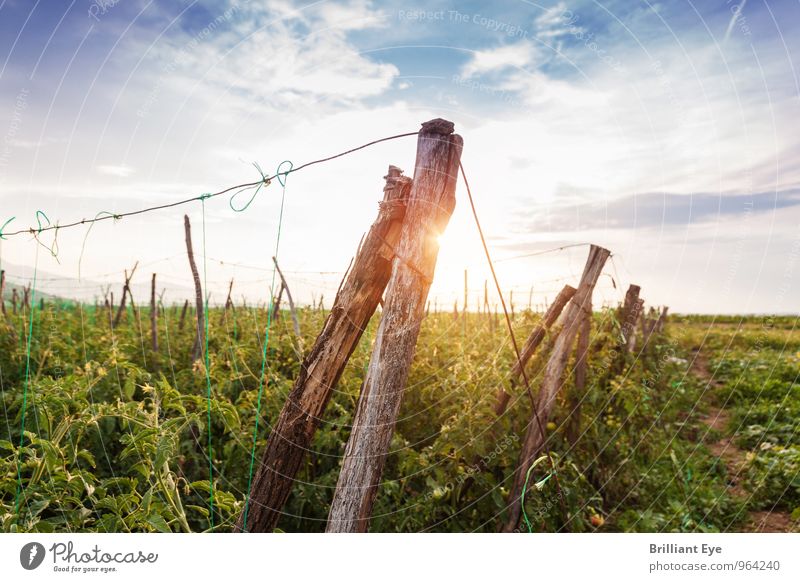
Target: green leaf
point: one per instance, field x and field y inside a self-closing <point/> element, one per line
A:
<point x="159" y="523"/>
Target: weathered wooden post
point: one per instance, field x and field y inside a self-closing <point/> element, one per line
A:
<point x="200" y="336"/>
<point x="183" y="314"/>
<point x="633" y="317"/>
<point x="662" y="318"/>
<point x="628" y="315"/>
<point x="126" y="292"/>
<point x="153" y="315"/>
<point x="552" y="378"/>
<point x="532" y="343"/>
<point x="3" y="292"/>
<point x="285" y="286"/>
<point x="581" y="367"/>
<point x="353" y="307"/>
<point x="228" y="305"/>
<point x="276" y="306"/>
<point x="430" y="205"/>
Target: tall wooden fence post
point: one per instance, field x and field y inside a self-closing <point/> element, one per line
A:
<point x="153" y="315"/>
<point x="628" y="314"/>
<point x="581" y="368"/>
<point x="126" y="292"/>
<point x="285" y="287"/>
<point x="200" y="335"/>
<point x="353" y="307"/>
<point x="552" y="379"/>
<point x="430" y="205"/>
<point x="532" y="343"/>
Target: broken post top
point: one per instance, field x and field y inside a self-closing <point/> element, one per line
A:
<point x="438" y="126"/>
<point x="397" y="185"/>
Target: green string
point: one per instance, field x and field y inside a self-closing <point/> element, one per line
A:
<point x="5" y="224"/>
<point x="88" y="231"/>
<point x="282" y="179"/>
<point x="208" y="373"/>
<point x="538" y="485"/>
<point x="265" y="181"/>
<point x="27" y="364"/>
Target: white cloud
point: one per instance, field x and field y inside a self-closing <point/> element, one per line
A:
<point x="117" y="171"/>
<point x="502" y="58"/>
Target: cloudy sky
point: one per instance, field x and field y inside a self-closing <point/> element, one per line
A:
<point x="665" y="131"/>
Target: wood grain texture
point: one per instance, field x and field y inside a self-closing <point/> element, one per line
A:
<point x="535" y="436"/>
<point x="532" y="344"/>
<point x="581" y="368"/>
<point x="430" y="205"/>
<point x="200" y="335"/>
<point x="353" y="307"/>
<point x="629" y="313"/>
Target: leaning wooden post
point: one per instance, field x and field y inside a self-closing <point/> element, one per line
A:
<point x="430" y="205"/>
<point x="353" y="307"/>
<point x="200" y="336"/>
<point x="581" y="367"/>
<point x="183" y="314"/>
<point x="627" y="315"/>
<point x="153" y="315"/>
<point x="7" y="317"/>
<point x="662" y="318"/>
<point x="3" y="293"/>
<point x="532" y="343"/>
<point x="285" y="286"/>
<point x="125" y="293"/>
<point x="552" y="379"/>
<point x="228" y="305"/>
<point x="633" y="316"/>
<point x="276" y="308"/>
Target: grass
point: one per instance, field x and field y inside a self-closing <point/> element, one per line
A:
<point x="116" y="435"/>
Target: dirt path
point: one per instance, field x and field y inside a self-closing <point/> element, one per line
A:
<point x="734" y="458"/>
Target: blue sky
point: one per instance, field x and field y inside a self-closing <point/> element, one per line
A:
<point x="665" y="131"/>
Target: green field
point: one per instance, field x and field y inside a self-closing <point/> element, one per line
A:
<point x="698" y="431"/>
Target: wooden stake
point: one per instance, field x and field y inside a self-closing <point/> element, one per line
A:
<point x="183" y="314"/>
<point x="532" y="344"/>
<point x="276" y="308"/>
<point x="126" y="291"/>
<point x="662" y="318"/>
<point x="3" y="292"/>
<point x="552" y="378"/>
<point x="638" y="311"/>
<point x="153" y="315"/>
<point x="200" y="336"/>
<point x="581" y="367"/>
<point x="430" y="205"/>
<point x="353" y="307"/>
<point x="228" y="305"/>
<point x="295" y="321"/>
<point x="629" y="314"/>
